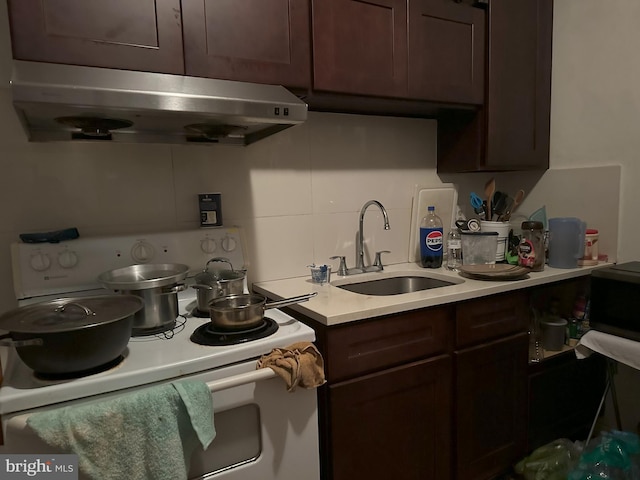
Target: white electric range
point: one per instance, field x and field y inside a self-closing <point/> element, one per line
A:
<point x="257" y="407"/>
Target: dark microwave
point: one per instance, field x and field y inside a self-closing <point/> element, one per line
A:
<point x="615" y="300"/>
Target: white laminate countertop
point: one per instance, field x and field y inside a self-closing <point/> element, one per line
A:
<point x="333" y="305"/>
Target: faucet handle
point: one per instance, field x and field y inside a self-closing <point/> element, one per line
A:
<point x="342" y="269"/>
<point x="378" y="261"/>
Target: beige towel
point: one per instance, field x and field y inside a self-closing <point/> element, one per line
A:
<point x="298" y="364"/>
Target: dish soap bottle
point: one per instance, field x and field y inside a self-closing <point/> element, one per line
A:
<point x="431" y="239"/>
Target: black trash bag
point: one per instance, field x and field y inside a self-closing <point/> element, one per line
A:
<point x="613" y="455"/>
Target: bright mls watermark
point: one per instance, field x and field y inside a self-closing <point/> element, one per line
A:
<point x="50" y="467"/>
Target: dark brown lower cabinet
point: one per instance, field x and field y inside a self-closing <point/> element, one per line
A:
<point x="491" y="407"/>
<point x="564" y="395"/>
<point x="446" y="392"/>
<point x="393" y="424"/>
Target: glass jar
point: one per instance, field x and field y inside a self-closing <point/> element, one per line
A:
<point x="531" y="248"/>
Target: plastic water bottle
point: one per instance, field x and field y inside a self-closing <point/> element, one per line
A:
<point x="431" y="242"/>
<point x="454" y="249"/>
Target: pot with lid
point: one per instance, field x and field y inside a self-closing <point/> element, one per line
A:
<point x="157" y="285"/>
<point x="218" y="283"/>
<point x="71" y="335"/>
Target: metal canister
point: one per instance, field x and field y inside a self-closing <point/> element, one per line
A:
<point x="531" y="249"/>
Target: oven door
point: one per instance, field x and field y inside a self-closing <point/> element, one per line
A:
<point x="263" y="432"/>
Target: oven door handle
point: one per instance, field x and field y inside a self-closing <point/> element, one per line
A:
<point x="20" y="421"/>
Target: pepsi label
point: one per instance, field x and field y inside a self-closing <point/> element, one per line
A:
<point x="431" y="241"/>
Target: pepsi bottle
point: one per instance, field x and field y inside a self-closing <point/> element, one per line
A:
<point x="431" y="240"/>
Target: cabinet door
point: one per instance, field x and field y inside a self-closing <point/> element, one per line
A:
<point x="446" y="51"/>
<point x="360" y="47"/>
<point x="519" y="95"/>
<point x="511" y="132"/>
<point x="491" y="406"/>
<point x="393" y="424"/>
<point x="263" y="41"/>
<point x="141" y="35"/>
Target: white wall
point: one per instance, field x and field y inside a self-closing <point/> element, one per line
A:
<point x="595" y="120"/>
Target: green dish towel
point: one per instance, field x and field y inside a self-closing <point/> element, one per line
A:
<point x="146" y="435"/>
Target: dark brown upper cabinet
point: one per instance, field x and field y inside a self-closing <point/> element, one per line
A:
<point x="511" y="132"/>
<point x="263" y="41"/>
<point x="360" y="47"/>
<point x="421" y="49"/>
<point x="446" y="51"/>
<point x="142" y="35"/>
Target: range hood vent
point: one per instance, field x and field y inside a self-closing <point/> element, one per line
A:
<point x="67" y="102"/>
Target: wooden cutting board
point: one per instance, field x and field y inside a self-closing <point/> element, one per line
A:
<point x="445" y="199"/>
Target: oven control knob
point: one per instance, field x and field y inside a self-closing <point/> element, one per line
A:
<point x="208" y="245"/>
<point x="40" y="262"/>
<point x="67" y="259"/>
<point x="229" y="244"/>
<point x="142" y="251"/>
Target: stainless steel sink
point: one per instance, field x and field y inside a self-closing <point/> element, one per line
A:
<point x="395" y="285"/>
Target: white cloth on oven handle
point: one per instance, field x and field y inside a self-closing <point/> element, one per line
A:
<point x="620" y="349"/>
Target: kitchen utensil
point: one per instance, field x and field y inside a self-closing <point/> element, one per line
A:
<point x="219" y="283"/>
<point x="489" y="190"/>
<point x="157" y="284"/>
<point x="540" y="215"/>
<point x="476" y="203"/>
<point x="472" y="225"/>
<point x="240" y="312"/>
<point x="566" y="241"/>
<point x="517" y="200"/>
<point x="70" y="335"/>
<point x="501" y="202"/>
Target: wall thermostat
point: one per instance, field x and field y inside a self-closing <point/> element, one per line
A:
<point x="210" y="209"/>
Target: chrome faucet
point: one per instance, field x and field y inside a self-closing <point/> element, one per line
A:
<point x="360" y="244"/>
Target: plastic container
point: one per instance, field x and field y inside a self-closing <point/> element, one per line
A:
<point x="566" y="241"/>
<point x="502" y="229"/>
<point x="320" y="273"/>
<point x="479" y="248"/>
<point x="553" y="333"/>
<point x="590" y="256"/>
<point x="431" y="241"/>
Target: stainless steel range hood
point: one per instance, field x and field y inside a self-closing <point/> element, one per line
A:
<point x="66" y="102"/>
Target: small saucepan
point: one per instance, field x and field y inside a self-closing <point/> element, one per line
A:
<point x="240" y="312"/>
<point x="211" y="285"/>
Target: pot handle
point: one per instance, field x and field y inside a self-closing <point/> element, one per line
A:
<point x="198" y="286"/>
<point x="173" y="289"/>
<point x="6" y="341"/>
<point x="218" y="259"/>
<point x="290" y="301"/>
<point x="62" y="308"/>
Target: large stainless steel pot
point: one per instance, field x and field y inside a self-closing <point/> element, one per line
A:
<point x="240" y="312"/>
<point x="219" y="283"/>
<point x="157" y="285"/>
<point x="71" y="335"/>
